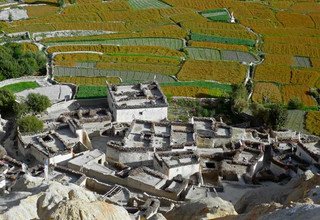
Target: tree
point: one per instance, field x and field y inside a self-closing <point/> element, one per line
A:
<point x="7" y="103"/>
<point x="60" y="3"/>
<point x="37" y="103"/>
<point x="273" y="116"/>
<point x="239" y="98"/>
<point x="295" y="103"/>
<point x="30" y="123"/>
<point x="14" y="62"/>
<point x="277" y="116"/>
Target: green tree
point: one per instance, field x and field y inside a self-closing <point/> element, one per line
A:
<point x="239" y="98"/>
<point x="295" y="103"/>
<point x="7" y="103"/>
<point x="60" y="3"/>
<point x="14" y="62"/>
<point x="273" y="116"/>
<point x="277" y="116"/>
<point x="30" y="123"/>
<point x="37" y="103"/>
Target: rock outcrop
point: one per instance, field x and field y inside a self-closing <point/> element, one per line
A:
<point x="56" y="201"/>
<point x="82" y="210"/>
<point x="74" y="202"/>
<point x="206" y="208"/>
<point x="299" y="189"/>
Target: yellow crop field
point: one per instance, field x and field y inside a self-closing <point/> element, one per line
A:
<point x="266" y="92"/>
<point x="300" y="91"/>
<point x="313" y="122"/>
<point x="316" y="19"/>
<point x="222" y="71"/>
<point x="188" y="91"/>
<point x="29" y="47"/>
<point x="110" y="49"/>
<point x="83" y="57"/>
<point x="163" y="31"/>
<point x="273" y="73"/>
<point x="278" y="30"/>
<point x="295" y="20"/>
<point x="315" y="62"/>
<point x="41" y="11"/>
<point x="148" y="68"/>
<point x="284" y="75"/>
<point x="305" y="77"/>
<point x="305" y="7"/>
<point x="80" y="57"/>
<point x="294" y="49"/>
<point x="279" y="59"/>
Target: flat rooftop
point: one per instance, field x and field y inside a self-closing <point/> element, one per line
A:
<point x="52" y="142"/>
<point x="148" y="176"/>
<point x="175" y="159"/>
<point x="87" y="157"/>
<point x="147" y="134"/>
<point x="146" y="95"/>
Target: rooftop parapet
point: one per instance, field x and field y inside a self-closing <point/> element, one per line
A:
<point x="147" y="95"/>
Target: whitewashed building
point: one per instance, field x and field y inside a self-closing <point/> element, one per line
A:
<point x="172" y="164"/>
<point x="140" y="101"/>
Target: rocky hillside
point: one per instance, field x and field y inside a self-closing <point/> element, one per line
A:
<point x="34" y="199"/>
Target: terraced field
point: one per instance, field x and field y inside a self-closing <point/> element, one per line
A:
<point x="176" y="41"/>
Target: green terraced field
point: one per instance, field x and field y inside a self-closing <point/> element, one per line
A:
<point x="87" y="92"/>
<point x="21" y="86"/>
<point x="295" y="120"/>
<point x="147" y="4"/>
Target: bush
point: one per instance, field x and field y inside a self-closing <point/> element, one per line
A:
<point x="7" y="103"/>
<point x="273" y="116"/>
<point x="30" y="124"/>
<point x="37" y="103"/>
<point x="295" y="103"/>
<point x="239" y="98"/>
<point x="277" y="116"/>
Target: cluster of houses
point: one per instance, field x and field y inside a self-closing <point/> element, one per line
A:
<point x="131" y="149"/>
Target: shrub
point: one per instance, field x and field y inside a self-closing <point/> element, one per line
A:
<point x="295" y="103"/>
<point x="37" y="103"/>
<point x="7" y="103"/>
<point x="30" y="124"/>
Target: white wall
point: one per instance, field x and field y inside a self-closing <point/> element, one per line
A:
<point x="54" y="160"/>
<point x="258" y="165"/>
<point x="132" y="158"/>
<point x="2" y="183"/>
<point x="60" y="158"/>
<point x="21" y="148"/>
<point x="184" y="171"/>
<point x="152" y="114"/>
<point x="38" y="155"/>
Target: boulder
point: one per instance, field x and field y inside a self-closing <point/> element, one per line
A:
<point x="79" y="209"/>
<point x="206" y="208"/>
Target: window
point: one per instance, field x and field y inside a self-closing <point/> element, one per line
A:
<point x="100" y="161"/>
<point x="140" y="113"/>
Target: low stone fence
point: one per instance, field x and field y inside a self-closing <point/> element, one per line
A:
<point x="22" y="79"/>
